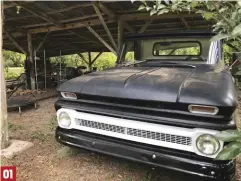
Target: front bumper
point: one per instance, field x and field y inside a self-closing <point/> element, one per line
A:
<point x="152" y="155"/>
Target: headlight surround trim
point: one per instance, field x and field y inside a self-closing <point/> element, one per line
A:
<point x="209" y="137"/>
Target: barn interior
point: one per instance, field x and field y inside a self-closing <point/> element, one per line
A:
<point x="42" y="30"/>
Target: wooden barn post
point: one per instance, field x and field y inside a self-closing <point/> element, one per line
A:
<point x="89" y="62"/>
<point x="30" y="72"/>
<point x="3" y="103"/>
<point x="120" y="33"/>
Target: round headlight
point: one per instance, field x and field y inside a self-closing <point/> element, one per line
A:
<point x="207" y="144"/>
<point x="64" y="119"/>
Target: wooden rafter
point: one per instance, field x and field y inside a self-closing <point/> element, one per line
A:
<point x="89" y="58"/>
<point x="101" y="39"/>
<point x="41" y="15"/>
<point x="62" y="21"/>
<point x="146" y="16"/>
<point x="30" y="46"/>
<point x="83" y="36"/>
<point x="120" y="33"/>
<point x="83" y="58"/>
<point x="113" y="16"/>
<point x="127" y="17"/>
<point x="105" y="26"/>
<point x="185" y="23"/>
<point x="10" y="4"/>
<point x="96" y="57"/>
<point x="42" y="42"/>
<point x="107" y="11"/>
<point x="145" y="26"/>
<point x="76" y="6"/>
<point x="69" y="26"/>
<point x="11" y="38"/>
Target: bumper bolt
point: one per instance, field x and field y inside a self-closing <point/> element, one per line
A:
<point x="153" y="156"/>
<point x="212" y="173"/>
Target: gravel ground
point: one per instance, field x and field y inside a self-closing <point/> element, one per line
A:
<point x="50" y="161"/>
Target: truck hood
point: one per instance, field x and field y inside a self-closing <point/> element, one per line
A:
<point x="168" y="83"/>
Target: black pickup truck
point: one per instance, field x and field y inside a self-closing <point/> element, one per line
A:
<point x="163" y="109"/>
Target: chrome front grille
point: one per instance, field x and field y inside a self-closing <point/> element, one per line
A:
<point x="171" y="138"/>
<point x="183" y="140"/>
<point x="101" y="126"/>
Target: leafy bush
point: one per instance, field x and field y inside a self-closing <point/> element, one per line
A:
<point x="233" y="149"/>
<point x="10" y="75"/>
<point x="13" y="59"/>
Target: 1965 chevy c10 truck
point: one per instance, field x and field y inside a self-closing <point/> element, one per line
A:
<point x="163" y="110"/>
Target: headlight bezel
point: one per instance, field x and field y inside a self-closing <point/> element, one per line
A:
<point x="219" y="145"/>
<point x="60" y="123"/>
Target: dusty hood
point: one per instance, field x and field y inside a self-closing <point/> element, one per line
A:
<point x="184" y="84"/>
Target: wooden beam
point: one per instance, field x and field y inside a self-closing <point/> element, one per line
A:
<point x="146" y="16"/>
<point x="185" y="23"/>
<point x="11" y="38"/>
<point x="30" y="47"/>
<point x="83" y="58"/>
<point x="69" y="26"/>
<point x="127" y="17"/>
<point x="120" y="33"/>
<point x="4" y="139"/>
<point x="76" y="6"/>
<point x="145" y="26"/>
<point x="10" y="4"/>
<point x="96" y="57"/>
<point x="113" y="16"/>
<point x="42" y="42"/>
<point x="89" y="62"/>
<point x="105" y="26"/>
<point x="30" y="57"/>
<point x="84" y="36"/>
<point x="129" y="27"/>
<point x="36" y="13"/>
<point x="101" y="39"/>
<point x="107" y="11"/>
<point x="61" y="21"/>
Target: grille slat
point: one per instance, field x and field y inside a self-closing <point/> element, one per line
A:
<point x="170" y="138"/>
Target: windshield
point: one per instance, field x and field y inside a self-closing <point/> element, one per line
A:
<point x="178" y="48"/>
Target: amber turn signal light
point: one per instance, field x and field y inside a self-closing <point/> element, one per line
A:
<point x="199" y="109"/>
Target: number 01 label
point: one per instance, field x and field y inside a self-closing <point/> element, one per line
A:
<point x="8" y="173"/>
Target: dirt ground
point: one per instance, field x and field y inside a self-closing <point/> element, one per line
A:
<point x="50" y="161"/>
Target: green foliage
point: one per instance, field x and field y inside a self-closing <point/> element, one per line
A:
<point x="225" y="14"/>
<point x="13" y="72"/>
<point x="10" y="75"/>
<point x="233" y="149"/>
<point x="13" y="59"/>
<point x="105" y="60"/>
<point x="229" y="135"/>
